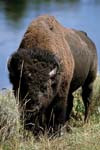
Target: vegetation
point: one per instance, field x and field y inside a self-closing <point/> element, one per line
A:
<point x="79" y="137"/>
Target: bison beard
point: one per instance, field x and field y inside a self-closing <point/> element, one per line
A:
<point x="49" y="65"/>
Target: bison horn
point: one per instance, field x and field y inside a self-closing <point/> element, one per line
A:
<point x="53" y="72"/>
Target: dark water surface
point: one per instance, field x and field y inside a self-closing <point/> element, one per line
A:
<point x="15" y="16"/>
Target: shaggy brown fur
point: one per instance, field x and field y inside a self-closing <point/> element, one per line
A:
<point x="48" y="48"/>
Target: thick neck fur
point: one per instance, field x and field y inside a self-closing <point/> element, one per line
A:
<point x="37" y="64"/>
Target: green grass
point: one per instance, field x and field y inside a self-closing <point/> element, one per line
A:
<point x="81" y="137"/>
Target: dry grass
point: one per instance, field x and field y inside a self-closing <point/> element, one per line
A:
<point x="87" y="137"/>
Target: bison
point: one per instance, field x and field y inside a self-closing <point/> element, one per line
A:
<point x="50" y="64"/>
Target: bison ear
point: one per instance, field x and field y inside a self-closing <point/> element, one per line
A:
<point x="53" y="72"/>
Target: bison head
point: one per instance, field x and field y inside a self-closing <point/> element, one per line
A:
<point x="35" y="76"/>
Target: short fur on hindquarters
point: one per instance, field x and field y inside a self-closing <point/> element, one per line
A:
<point x="50" y="64"/>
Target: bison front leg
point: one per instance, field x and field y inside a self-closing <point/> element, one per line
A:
<point x="59" y="112"/>
<point x="87" y="92"/>
<point x="69" y="105"/>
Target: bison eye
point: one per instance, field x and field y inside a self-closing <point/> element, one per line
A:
<point x="43" y="88"/>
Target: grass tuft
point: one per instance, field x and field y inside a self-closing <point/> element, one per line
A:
<point x="82" y="137"/>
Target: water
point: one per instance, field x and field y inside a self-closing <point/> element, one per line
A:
<point x="15" y="16"/>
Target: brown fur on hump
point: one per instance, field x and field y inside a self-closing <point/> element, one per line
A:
<point x="47" y="33"/>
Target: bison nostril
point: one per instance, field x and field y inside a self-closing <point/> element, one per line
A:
<point x="37" y="108"/>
